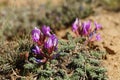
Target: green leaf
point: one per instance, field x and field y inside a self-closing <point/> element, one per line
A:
<point x="29" y="66"/>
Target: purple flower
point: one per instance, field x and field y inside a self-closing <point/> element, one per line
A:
<point x="38" y="60"/>
<point x="36" y="50"/>
<point x="98" y="37"/>
<point x="97" y="26"/>
<point x="75" y="25"/>
<point x="51" y="43"/>
<point x="48" y="44"/>
<point x="54" y="40"/>
<point x="88" y="25"/>
<point x="46" y="30"/>
<point x="35" y="34"/>
<point x="84" y="31"/>
<point x="41" y="60"/>
<point x="85" y="27"/>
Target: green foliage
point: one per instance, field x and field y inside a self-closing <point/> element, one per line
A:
<point x="113" y="4"/>
<point x="8" y="56"/>
<point x="12" y="55"/>
<point x="66" y="13"/>
<point x="29" y="66"/>
<point x="67" y="45"/>
<point x="94" y="62"/>
<point x="45" y="73"/>
<point x="96" y="72"/>
<point x="62" y="74"/>
<point x="96" y="55"/>
<point x="79" y="71"/>
<point x="74" y="62"/>
<point x="86" y="65"/>
<point x="24" y="44"/>
<point x="78" y="61"/>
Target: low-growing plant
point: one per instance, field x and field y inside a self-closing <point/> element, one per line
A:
<point x="46" y="57"/>
<point x="85" y="30"/>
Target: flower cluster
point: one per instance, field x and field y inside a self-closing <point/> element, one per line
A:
<point x="45" y="43"/>
<point x="84" y="29"/>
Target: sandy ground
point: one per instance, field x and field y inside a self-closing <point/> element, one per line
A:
<point x="110" y="42"/>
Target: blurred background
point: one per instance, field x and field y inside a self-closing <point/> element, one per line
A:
<point x="18" y="17"/>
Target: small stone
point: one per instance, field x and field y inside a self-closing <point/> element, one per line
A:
<point x="110" y="50"/>
<point x="115" y="65"/>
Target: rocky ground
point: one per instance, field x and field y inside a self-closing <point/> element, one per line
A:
<point x="110" y="42"/>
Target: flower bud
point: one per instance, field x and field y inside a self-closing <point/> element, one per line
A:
<point x="36" y="50"/>
<point x="46" y="30"/>
<point x="35" y="34"/>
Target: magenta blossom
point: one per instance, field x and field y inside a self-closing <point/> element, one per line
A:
<point x="46" y="30"/>
<point x="97" y="26"/>
<point x="51" y="43"/>
<point x="81" y="28"/>
<point x="88" y="25"/>
<point x="35" y="34"/>
<point x="38" y="60"/>
<point x="36" y="50"/>
<point x="54" y="40"/>
<point x="75" y="25"/>
<point x="85" y="28"/>
<point x="45" y="44"/>
<point x="98" y="37"/>
<point x="94" y="37"/>
<point x="48" y="44"/>
<point x="41" y="60"/>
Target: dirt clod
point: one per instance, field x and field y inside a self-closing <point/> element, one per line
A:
<point x="109" y="50"/>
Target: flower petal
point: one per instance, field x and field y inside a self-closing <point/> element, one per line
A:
<point x="75" y="25"/>
<point x="35" y="34"/>
<point x="36" y="50"/>
<point x="46" y="30"/>
<point x="98" y="37"/>
<point x="97" y="26"/>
